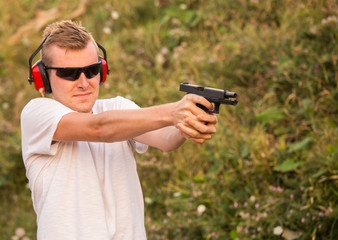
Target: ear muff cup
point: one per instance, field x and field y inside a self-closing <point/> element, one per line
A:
<point x="103" y="71"/>
<point x="40" y="78"/>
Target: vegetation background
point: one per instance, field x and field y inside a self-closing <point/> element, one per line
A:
<point x="270" y="172"/>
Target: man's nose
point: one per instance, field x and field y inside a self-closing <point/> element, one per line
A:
<point x="82" y="82"/>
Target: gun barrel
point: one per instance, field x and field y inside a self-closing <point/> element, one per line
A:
<point x="228" y="94"/>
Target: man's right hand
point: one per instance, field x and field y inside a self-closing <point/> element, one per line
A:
<point x="193" y="122"/>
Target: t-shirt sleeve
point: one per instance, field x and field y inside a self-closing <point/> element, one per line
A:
<point x="39" y="120"/>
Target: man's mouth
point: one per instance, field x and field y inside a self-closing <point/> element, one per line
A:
<point x="82" y="95"/>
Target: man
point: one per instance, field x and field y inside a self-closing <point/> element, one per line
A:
<point x="78" y="151"/>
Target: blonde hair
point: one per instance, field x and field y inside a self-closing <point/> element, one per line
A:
<point x="65" y="34"/>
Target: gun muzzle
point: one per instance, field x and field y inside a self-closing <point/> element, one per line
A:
<point x="228" y="94"/>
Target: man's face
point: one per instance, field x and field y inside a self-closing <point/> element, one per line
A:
<point x="81" y="94"/>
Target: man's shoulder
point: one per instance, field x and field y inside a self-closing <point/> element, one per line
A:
<point x="38" y="106"/>
<point x="38" y="100"/>
<point x="35" y="103"/>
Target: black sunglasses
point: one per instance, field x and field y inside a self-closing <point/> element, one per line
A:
<point x="73" y="73"/>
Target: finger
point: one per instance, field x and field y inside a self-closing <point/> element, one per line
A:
<point x="192" y="133"/>
<point x="201" y="127"/>
<point x="209" y="118"/>
<point x="196" y="140"/>
<point x="200" y="100"/>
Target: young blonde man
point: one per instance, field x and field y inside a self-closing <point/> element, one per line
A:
<point x="78" y="149"/>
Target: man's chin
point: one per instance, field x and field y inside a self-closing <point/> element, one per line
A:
<point x="82" y="107"/>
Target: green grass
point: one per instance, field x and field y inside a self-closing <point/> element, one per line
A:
<point x="273" y="161"/>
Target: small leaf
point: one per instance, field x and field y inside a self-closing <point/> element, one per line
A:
<point x="190" y="18"/>
<point x="288" y="165"/>
<point x="270" y="115"/>
<point x="233" y="234"/>
<point x="332" y="148"/>
<point x="301" y="145"/>
<point x="164" y="20"/>
<point x="214" y="168"/>
<point x="319" y="173"/>
<point x="245" y="151"/>
<point x="198" y="179"/>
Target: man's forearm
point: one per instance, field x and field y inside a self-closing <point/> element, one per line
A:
<point x="165" y="139"/>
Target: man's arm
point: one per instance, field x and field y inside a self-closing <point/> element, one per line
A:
<point x="119" y="125"/>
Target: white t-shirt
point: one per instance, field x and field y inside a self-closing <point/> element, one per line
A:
<point x="81" y="190"/>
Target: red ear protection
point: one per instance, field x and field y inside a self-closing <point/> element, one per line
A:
<point x="40" y="78"/>
<point x="104" y="70"/>
<point x="39" y="75"/>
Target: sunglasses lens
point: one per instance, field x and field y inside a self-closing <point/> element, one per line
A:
<point x="68" y="74"/>
<point x="73" y="74"/>
<point x="92" y="71"/>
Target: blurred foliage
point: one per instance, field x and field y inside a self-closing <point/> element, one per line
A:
<point x="273" y="162"/>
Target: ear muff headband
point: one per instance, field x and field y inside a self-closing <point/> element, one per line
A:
<point x="38" y="73"/>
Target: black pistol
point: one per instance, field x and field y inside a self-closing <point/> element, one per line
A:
<point x="213" y="95"/>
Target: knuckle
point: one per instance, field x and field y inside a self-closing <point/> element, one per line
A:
<point x="194" y="135"/>
<point x="189" y="97"/>
<point x="198" y="98"/>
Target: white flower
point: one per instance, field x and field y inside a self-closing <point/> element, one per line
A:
<point x="177" y="194"/>
<point x="20" y="232"/>
<point x="115" y="15"/>
<point x="201" y="208"/>
<point x="107" y="30"/>
<point x="277" y="230"/>
<point x="183" y="6"/>
<point x="164" y="51"/>
<point x="5" y="105"/>
<point x="160" y="59"/>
